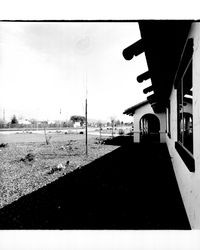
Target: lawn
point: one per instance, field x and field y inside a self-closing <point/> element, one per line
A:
<point x="27" y="163"/>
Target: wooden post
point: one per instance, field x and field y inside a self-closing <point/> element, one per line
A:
<point x="100" y="132"/>
<point x="60" y="120"/>
<point x="86" y="120"/>
<point x="4" y="115"/>
<point x="4" y="119"/>
<point x="112" y="123"/>
<point x="86" y="132"/>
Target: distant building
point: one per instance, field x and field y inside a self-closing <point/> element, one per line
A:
<point x="77" y="124"/>
<point x="24" y="122"/>
<point x="148" y="126"/>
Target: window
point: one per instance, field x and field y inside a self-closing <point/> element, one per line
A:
<point x="183" y="84"/>
<point x="168" y="121"/>
<point x="185" y="118"/>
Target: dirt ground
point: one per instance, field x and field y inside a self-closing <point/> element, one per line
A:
<point x="28" y="163"/>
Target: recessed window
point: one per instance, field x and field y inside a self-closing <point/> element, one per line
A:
<point x="185" y="110"/>
<point x="183" y="84"/>
<point x="169" y="121"/>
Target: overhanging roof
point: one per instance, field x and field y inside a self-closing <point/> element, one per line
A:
<point x="143" y="77"/>
<point x="133" y="50"/>
<point x="163" y="41"/>
<point x="130" y="111"/>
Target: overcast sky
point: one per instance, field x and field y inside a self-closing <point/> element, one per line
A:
<point x="44" y="67"/>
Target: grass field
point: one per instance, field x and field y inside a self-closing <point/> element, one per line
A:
<point x="20" y="175"/>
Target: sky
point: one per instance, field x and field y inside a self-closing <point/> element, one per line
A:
<point x="46" y="68"/>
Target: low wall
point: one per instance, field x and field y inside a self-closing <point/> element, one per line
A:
<point x="189" y="185"/>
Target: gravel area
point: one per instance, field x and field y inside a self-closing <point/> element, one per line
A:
<point x="25" y="167"/>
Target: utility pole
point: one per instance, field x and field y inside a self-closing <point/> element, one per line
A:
<point x="4" y="119"/>
<point x="86" y="131"/>
<point x="60" y="118"/>
<point x="100" y="131"/>
<point x="86" y="123"/>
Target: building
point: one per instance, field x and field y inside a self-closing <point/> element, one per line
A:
<point x="172" y="50"/>
<point x="77" y="125"/>
<point x="25" y="123"/>
<point x="148" y="126"/>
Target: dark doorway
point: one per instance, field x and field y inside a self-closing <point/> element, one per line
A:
<point x="149" y="128"/>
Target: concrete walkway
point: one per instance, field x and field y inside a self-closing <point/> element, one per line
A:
<point x="133" y="187"/>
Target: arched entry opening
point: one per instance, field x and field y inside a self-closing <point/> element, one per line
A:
<point x="149" y="128"/>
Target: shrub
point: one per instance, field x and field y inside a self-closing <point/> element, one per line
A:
<point x="121" y="132"/>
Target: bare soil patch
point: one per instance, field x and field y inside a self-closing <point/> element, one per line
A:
<point x="28" y="166"/>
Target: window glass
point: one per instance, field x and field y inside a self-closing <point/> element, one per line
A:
<point x="185" y="112"/>
<point x="168" y="120"/>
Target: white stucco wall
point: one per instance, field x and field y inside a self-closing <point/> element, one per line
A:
<point x="147" y="109"/>
<point x="189" y="183"/>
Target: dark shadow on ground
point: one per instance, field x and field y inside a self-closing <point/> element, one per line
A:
<point x="123" y="140"/>
<point x="133" y="187"/>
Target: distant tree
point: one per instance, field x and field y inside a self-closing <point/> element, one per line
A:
<point x="99" y="124"/>
<point x="112" y="119"/>
<point x="117" y="123"/>
<point x="2" y="123"/>
<point x="33" y="122"/>
<point x="69" y="123"/>
<point x="108" y="124"/>
<point x="57" y="124"/>
<point x="78" y="118"/>
<point x="14" y="122"/>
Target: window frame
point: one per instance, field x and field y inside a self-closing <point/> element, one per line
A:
<point x="169" y="120"/>
<point x="184" y="152"/>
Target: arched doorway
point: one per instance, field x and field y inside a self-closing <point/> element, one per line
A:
<point x="149" y="128"/>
